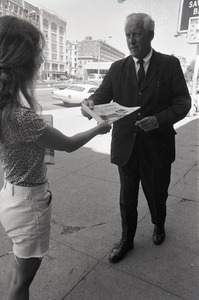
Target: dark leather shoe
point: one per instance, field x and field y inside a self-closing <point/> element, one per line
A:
<point x="158" y="235"/>
<point x="120" y="250"/>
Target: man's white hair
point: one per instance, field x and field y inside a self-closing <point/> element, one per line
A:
<point x="144" y="19"/>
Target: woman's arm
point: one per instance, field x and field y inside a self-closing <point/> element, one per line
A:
<point x="54" y="139"/>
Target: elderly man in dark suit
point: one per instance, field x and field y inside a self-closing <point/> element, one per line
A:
<point x="143" y="143"/>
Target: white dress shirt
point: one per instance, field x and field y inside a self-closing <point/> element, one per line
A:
<point x="146" y="62"/>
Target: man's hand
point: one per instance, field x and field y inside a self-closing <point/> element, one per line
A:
<point x="90" y="104"/>
<point x="148" y="123"/>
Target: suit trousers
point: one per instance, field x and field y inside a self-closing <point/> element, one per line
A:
<point x="142" y="167"/>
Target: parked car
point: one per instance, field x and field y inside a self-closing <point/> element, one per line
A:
<point x="75" y="93"/>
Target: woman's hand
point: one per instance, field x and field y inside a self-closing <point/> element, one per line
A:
<point x="103" y="127"/>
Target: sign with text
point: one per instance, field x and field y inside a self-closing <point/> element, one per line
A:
<point x="188" y="9"/>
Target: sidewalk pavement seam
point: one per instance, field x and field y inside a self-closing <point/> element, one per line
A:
<point x="88" y="165"/>
<point x="100" y="261"/>
<point x="74" y="287"/>
<point x="84" y="175"/>
<point x="184" y="174"/>
<point x="181" y="199"/>
<point x="141" y="279"/>
<point x="80" y="174"/>
<point x="79" y="170"/>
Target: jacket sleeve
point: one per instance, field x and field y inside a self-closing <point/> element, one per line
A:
<point x="104" y="94"/>
<point x="180" y="102"/>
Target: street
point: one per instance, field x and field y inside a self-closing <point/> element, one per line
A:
<point x="43" y="96"/>
<point x="69" y="120"/>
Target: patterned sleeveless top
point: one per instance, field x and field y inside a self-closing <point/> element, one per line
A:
<point x="21" y="158"/>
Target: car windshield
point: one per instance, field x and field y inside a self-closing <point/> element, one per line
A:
<point x="76" y="88"/>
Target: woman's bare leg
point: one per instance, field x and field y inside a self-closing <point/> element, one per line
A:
<point x="24" y="271"/>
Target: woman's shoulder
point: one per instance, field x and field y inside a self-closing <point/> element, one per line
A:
<point x="29" y="124"/>
<point x="23" y="114"/>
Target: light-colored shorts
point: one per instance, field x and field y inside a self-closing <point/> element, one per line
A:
<point x="25" y="213"/>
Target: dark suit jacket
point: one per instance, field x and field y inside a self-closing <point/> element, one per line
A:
<point x="164" y="94"/>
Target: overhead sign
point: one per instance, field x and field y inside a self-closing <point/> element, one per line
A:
<point x="188" y="9"/>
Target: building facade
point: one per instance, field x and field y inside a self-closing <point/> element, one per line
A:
<point x="21" y="9"/>
<point x="62" y="58"/>
<point x="96" y="56"/>
<point x="71" y="59"/>
<point x="54" y="30"/>
<point x="99" y="50"/>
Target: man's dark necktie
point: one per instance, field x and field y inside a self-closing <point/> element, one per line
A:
<point x="141" y="72"/>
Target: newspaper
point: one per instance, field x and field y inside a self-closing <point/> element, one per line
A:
<point x="110" y="112"/>
<point x="49" y="153"/>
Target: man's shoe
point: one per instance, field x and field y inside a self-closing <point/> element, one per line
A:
<point x="158" y="235"/>
<point x="120" y="250"/>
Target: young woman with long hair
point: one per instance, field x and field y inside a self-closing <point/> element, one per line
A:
<point x="25" y="199"/>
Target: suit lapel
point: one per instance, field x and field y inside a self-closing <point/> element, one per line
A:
<point x="152" y="69"/>
<point x="132" y="72"/>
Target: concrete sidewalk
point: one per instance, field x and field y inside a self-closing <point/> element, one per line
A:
<point x="86" y="224"/>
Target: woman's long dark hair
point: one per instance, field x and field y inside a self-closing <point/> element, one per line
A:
<point x="21" y="45"/>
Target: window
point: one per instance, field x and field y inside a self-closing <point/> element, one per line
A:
<point x="45" y="24"/>
<point x="54" y="27"/>
<point x="15" y="9"/>
<point x="54" y="67"/>
<point x="61" y="40"/>
<point x="61" y="49"/>
<point x="54" y="47"/>
<point x="61" y="30"/>
<point x="46" y="54"/>
<point x="20" y="11"/>
<point x="6" y="4"/>
<point x="62" y="68"/>
<point x="46" y="66"/>
<point x="54" y="37"/>
<point x="11" y="7"/>
<point x="54" y="56"/>
<point x="45" y="32"/>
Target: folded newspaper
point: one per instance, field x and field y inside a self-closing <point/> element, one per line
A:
<point x="49" y="153"/>
<point x="110" y="112"/>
